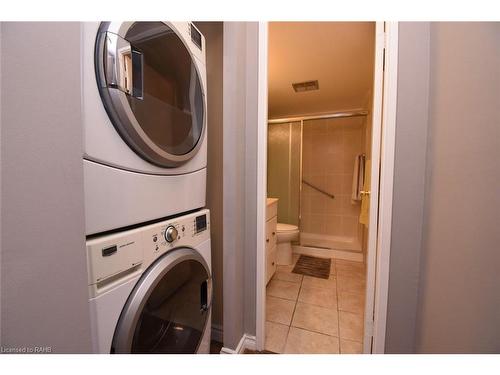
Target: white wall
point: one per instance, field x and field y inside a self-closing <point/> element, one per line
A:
<point x="240" y="179"/>
<point x="409" y="183"/>
<point x="43" y="264"/>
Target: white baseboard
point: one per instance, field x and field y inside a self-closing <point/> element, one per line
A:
<point x="246" y="342"/>
<point x="328" y="253"/>
<point x="217" y="334"/>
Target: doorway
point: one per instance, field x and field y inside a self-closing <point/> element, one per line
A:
<point x="326" y="197"/>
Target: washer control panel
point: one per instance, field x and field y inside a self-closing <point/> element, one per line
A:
<point x="116" y="256"/>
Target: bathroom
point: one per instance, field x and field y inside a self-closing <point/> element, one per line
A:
<point x="318" y="177"/>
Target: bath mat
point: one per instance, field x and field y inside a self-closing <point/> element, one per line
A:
<point x="312" y="266"/>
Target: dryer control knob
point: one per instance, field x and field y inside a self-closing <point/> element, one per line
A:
<point x="171" y="233"/>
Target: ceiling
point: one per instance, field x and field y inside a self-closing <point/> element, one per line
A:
<point x="339" y="55"/>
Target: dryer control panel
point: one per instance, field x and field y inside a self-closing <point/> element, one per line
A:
<point x="118" y="257"/>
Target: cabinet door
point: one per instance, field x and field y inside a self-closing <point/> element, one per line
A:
<point x="271" y="232"/>
<point x="270" y="263"/>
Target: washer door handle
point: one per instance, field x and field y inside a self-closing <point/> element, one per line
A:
<point x="206" y="295"/>
<point x="123" y="65"/>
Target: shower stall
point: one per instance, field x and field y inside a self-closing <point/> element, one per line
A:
<point x="311" y="169"/>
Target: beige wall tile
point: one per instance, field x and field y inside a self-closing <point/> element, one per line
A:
<point x="348" y="208"/>
<point x="316" y="318"/>
<point x="353" y="140"/>
<point x="313" y="223"/>
<point x="350" y="226"/>
<point x="318" y="203"/>
<point x="346" y="182"/>
<point x="306" y="201"/>
<point x="333" y="206"/>
<point x="334" y="183"/>
<point x="334" y="163"/>
<point x="333" y="225"/>
<point x="300" y="341"/>
<point x="279" y="310"/>
<point x="329" y="148"/>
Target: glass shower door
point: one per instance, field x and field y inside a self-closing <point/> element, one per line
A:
<point x="284" y="155"/>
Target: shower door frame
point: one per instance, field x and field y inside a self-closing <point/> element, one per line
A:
<point x="291" y="120"/>
<point x="384" y="128"/>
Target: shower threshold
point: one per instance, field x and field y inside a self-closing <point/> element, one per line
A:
<point x="322" y="252"/>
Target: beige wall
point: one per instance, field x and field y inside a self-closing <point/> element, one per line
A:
<point x="329" y="150"/>
<point x="213" y="33"/>
<point x="337" y="54"/>
<point x="443" y="282"/>
<point x="459" y="298"/>
<point x="44" y="294"/>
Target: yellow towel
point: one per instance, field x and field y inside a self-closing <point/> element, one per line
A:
<point x="365" y="199"/>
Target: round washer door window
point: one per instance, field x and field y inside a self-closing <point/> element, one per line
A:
<point x="152" y="90"/>
<point x="168" y="309"/>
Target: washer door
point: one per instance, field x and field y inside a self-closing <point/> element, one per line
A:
<point x="168" y="309"/>
<point x="151" y="89"/>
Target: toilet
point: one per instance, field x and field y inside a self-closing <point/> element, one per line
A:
<point x="286" y="233"/>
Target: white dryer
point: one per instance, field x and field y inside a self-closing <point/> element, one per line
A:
<point x="144" y="116"/>
<point x="151" y="288"/>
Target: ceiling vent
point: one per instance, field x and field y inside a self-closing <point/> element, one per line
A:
<point x="305" y="86"/>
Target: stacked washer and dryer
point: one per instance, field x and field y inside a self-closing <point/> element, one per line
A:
<point x="148" y="236"/>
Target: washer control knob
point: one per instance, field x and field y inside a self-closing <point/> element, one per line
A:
<point x="171" y="233"/>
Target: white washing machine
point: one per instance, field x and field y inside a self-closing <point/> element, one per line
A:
<point x="144" y="116"/>
<point x="151" y="288"/>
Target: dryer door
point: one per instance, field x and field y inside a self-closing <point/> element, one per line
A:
<point x="168" y="309"/>
<point x="151" y="88"/>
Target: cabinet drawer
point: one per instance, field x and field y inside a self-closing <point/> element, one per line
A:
<point x="271" y="232"/>
<point x="270" y="263"/>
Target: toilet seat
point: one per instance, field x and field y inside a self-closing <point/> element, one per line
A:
<point x="281" y="227"/>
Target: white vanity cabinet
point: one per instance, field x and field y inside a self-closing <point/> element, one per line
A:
<point x="271" y="223"/>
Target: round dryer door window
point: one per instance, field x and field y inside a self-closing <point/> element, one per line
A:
<point x="152" y="90"/>
<point x="168" y="309"/>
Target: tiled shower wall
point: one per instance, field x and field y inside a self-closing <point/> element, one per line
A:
<point x="329" y="150"/>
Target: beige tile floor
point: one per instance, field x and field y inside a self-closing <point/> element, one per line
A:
<point x="305" y="314"/>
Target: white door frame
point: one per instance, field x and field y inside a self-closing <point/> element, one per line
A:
<point x="383" y="142"/>
<point x="261" y="188"/>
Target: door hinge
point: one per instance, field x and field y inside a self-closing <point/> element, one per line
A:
<point x="369" y="329"/>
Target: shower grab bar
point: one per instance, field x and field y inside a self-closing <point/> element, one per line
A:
<point x="318" y="189"/>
